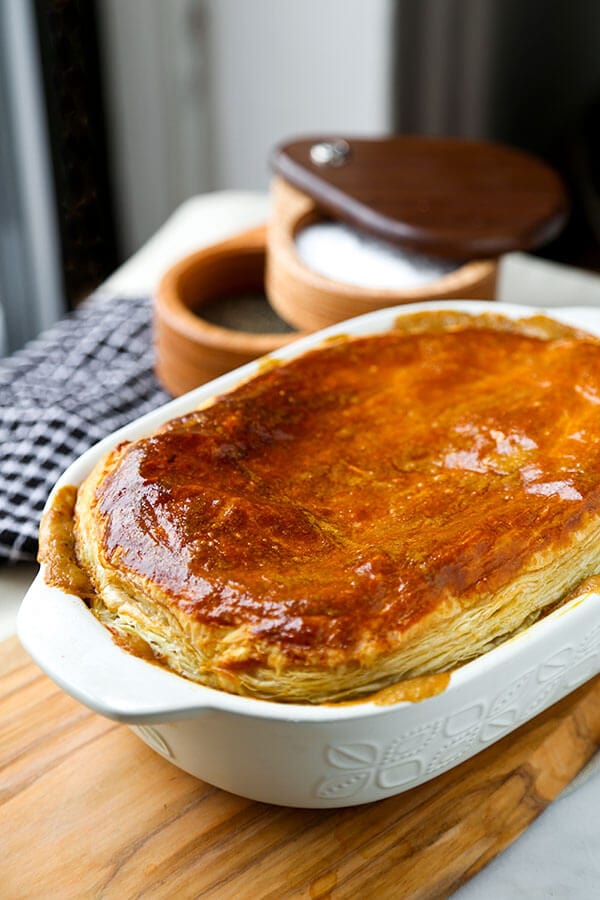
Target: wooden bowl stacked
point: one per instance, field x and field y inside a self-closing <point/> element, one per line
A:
<point x="191" y="350"/>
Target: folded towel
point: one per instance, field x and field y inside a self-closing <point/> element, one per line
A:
<point x="88" y="375"/>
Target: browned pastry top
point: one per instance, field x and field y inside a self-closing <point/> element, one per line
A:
<point x="348" y="492"/>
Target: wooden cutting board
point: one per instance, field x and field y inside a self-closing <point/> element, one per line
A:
<point x="88" y="810"/>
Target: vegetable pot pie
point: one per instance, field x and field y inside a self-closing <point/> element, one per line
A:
<point x="378" y="508"/>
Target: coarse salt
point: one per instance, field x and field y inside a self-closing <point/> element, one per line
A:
<point x="350" y="256"/>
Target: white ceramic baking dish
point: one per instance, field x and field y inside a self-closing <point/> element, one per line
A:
<point x="299" y="755"/>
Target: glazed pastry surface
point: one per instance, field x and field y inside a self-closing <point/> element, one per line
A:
<point x="381" y="507"/>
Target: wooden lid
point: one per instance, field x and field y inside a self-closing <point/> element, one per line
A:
<point x="444" y="196"/>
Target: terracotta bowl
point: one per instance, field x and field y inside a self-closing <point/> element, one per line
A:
<point x="309" y="300"/>
<point x="191" y="350"/>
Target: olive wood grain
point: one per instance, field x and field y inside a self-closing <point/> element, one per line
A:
<point x="88" y="810"/>
<point x="309" y="301"/>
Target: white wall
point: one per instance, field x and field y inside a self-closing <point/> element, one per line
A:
<point x="283" y="67"/>
<point x="199" y="91"/>
<point x="156" y="107"/>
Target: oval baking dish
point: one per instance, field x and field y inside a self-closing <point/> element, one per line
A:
<point x="312" y="756"/>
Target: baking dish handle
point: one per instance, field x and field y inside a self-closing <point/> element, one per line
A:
<point x="78" y="653"/>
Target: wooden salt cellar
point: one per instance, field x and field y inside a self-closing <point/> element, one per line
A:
<point x="460" y="200"/>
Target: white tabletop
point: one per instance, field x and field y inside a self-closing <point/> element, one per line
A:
<point x="559" y="854"/>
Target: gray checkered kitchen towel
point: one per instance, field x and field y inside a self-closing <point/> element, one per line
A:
<point x="88" y="375"/>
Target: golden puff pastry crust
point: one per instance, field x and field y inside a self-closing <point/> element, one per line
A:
<point x="376" y="509"/>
